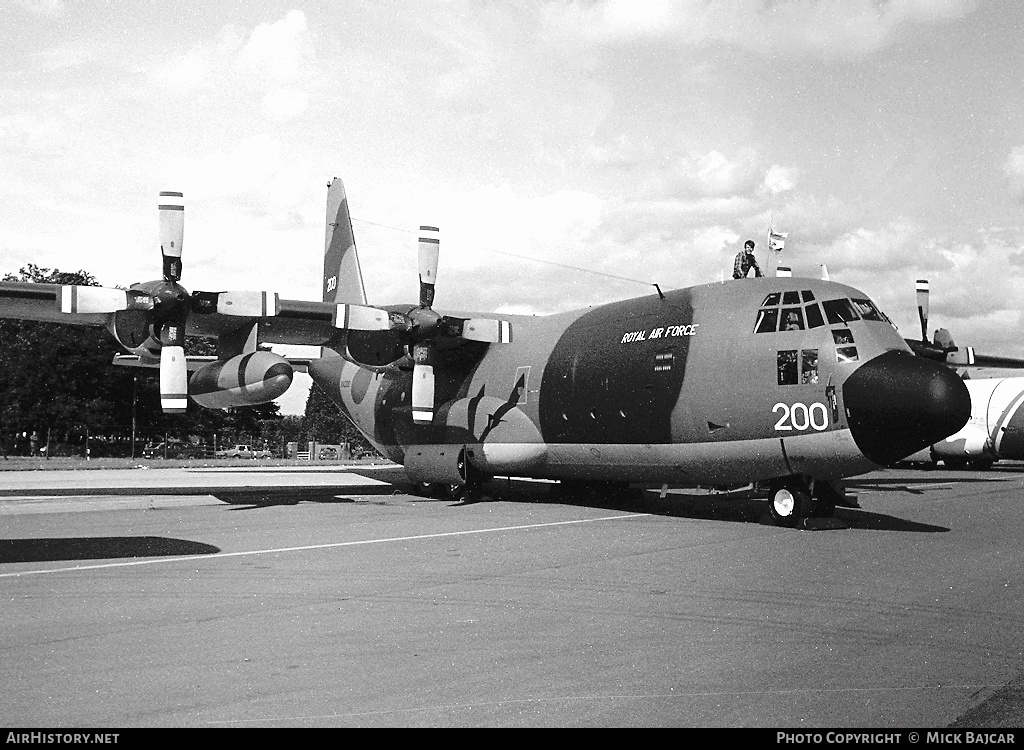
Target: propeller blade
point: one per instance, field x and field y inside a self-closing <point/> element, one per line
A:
<point x="422" y="385"/>
<point x="172" y="233"/>
<point x="922" y="307"/>
<point x="824" y="272"/>
<point x="361" y="318"/>
<point x="487" y="330"/>
<point x="245" y="304"/>
<point x="173" y="380"/>
<point x="98" y="299"/>
<point x="429" y="248"/>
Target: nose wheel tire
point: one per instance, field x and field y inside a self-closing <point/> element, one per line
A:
<point x="789" y="505"/>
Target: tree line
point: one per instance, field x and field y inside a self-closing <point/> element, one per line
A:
<point x="62" y="393"/>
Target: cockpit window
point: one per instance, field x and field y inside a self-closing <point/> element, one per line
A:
<point x="867" y="310"/>
<point x="814" y="319"/>
<point x="839" y="311"/>
<point x="792" y="319"/>
<point x="767" y="320"/>
<point x="799" y="311"/>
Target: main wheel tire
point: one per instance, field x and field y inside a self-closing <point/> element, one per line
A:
<point x="435" y="490"/>
<point x="788" y="506"/>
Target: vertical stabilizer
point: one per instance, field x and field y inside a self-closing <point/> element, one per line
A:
<point x="343" y="279"/>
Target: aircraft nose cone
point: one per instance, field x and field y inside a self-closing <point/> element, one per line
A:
<point x="898" y="403"/>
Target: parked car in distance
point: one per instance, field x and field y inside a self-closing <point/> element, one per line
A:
<point x="173" y="449"/>
<point x="235" y="451"/>
<point x="243" y="451"/>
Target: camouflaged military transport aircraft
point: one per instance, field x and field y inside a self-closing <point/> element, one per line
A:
<point x="792" y="383"/>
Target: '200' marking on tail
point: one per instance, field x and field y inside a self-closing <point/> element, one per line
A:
<point x="801" y="416"/>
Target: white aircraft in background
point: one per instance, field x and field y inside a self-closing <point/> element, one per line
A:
<point x="996" y="428"/>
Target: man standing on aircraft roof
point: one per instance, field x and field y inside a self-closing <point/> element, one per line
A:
<point x="745" y="260"/>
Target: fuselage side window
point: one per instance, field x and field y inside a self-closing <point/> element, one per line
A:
<point x="842" y="336"/>
<point x="809" y="366"/>
<point x="814" y="319"/>
<point x="839" y="311"/>
<point x="846" y="353"/>
<point x="786" y="363"/>
<point x="767" y="320"/>
<point x="771" y="299"/>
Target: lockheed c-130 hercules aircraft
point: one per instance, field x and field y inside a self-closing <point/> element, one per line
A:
<point x="792" y="383"/>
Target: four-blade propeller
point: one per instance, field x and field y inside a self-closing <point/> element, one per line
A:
<point x="167" y="307"/>
<point x="422" y="327"/>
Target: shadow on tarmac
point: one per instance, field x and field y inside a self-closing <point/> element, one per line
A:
<point x="735" y="507"/>
<point x="98" y="548"/>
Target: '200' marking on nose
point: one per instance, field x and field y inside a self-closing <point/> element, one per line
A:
<point x="801" y="416"/>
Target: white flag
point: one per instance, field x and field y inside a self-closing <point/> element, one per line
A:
<point x="777" y="240"/>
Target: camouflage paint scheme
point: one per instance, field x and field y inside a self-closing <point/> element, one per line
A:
<point x="661" y="389"/>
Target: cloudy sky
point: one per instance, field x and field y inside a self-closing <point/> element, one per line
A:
<point x="640" y="140"/>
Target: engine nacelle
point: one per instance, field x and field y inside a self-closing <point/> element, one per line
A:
<point x="970" y="442"/>
<point x="245" y="380"/>
<point x="996" y="427"/>
<point x="996" y="407"/>
<point x="133" y="331"/>
<point x="444" y="464"/>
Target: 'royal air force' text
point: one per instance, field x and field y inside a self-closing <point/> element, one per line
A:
<point x="661" y="332"/>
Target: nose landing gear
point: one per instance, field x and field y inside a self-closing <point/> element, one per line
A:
<point x="800" y="501"/>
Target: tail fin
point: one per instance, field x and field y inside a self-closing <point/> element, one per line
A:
<point x="343" y="279"/>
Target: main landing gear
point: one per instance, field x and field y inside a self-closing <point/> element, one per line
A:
<point x="472" y="492"/>
<point x="796" y="500"/>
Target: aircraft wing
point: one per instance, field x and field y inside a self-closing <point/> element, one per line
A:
<point x="281" y="321"/>
<point x="963" y="356"/>
<point x="284" y="321"/>
<point x="45" y="302"/>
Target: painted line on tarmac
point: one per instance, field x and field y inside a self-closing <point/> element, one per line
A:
<point x="38" y="504"/>
<point x="331" y="545"/>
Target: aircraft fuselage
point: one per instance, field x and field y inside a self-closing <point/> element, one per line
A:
<point x="700" y="385"/>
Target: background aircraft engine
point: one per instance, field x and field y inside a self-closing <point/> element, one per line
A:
<point x="245" y="380"/>
<point x="971" y="443"/>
